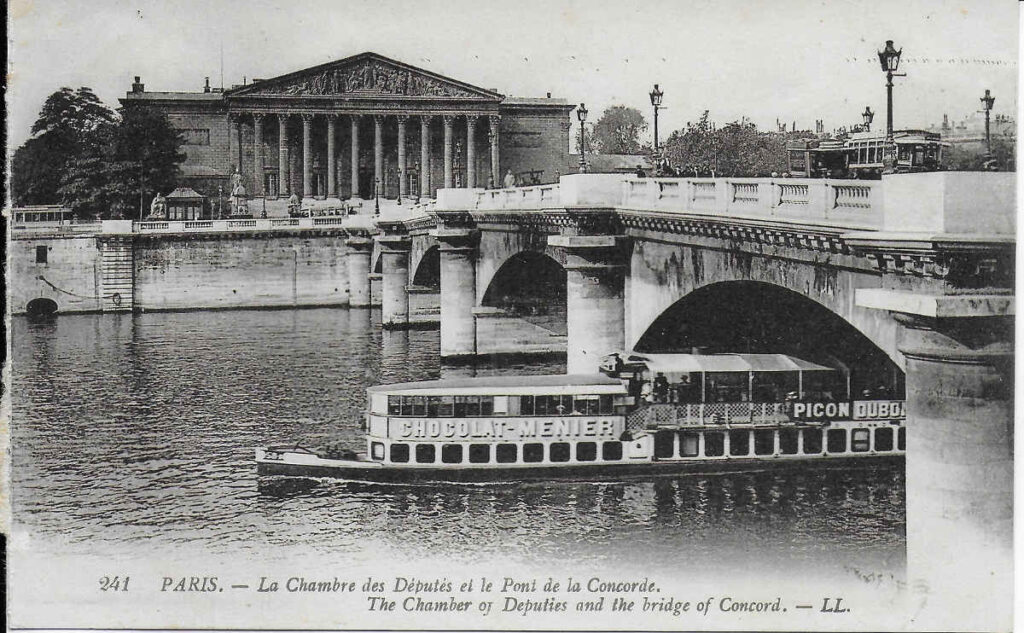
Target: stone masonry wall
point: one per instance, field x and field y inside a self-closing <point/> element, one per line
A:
<point x="70" y="276"/>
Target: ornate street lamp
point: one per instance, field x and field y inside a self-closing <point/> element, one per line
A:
<point x="581" y="114"/>
<point x="656" y="96"/>
<point x="889" y="59"/>
<point x="987" y="102"/>
<point x="868" y="117"/>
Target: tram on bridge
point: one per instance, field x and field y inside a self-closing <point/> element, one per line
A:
<point x="860" y="155"/>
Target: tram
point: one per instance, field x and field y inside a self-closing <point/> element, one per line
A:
<point x="643" y="415"/>
<point x="860" y="155"/>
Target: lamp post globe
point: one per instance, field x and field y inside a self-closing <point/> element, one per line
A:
<point x="656" y="97"/>
<point x="889" y="60"/>
<point x="868" y="117"/>
<point x="581" y="114"/>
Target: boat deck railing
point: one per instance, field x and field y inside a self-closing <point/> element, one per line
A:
<point x="717" y="413"/>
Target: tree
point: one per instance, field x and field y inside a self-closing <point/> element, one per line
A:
<point x="618" y="131"/>
<point x="124" y="167"/>
<point x="65" y="127"/>
<point x="737" y="149"/>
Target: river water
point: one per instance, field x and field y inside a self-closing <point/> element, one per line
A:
<point x="133" y="437"/>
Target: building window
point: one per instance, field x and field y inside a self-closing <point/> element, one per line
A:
<point x="451" y="454"/>
<point x="533" y="452"/>
<point x="586" y="451"/>
<point x="399" y="453"/>
<point x="41" y="254"/>
<point x="425" y="454"/>
<point x="559" y="452"/>
<point x="195" y="136"/>
<point x="479" y="453"/>
<point x="505" y="453"/>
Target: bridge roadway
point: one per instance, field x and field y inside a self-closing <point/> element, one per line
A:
<point x="919" y="265"/>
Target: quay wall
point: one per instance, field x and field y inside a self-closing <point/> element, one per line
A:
<point x="70" y="276"/>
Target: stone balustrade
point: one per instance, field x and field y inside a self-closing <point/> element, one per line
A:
<point x="534" y="197"/>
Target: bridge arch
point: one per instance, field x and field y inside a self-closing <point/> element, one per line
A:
<point x="41" y="307"/>
<point x="531" y="285"/>
<point x="426" y="270"/>
<point x="758" y="317"/>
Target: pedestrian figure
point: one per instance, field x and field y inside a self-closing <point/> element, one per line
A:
<point x="510" y="180"/>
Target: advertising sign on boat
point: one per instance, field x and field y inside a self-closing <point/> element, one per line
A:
<point x="856" y="410"/>
<point x="506" y="429"/>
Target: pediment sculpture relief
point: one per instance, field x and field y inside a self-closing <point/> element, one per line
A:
<point x="368" y="77"/>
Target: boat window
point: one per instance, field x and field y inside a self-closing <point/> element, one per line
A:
<point x="526" y="405"/>
<point x="581" y="404"/>
<point x="486" y="405"/>
<point x="451" y="453"/>
<point x="606" y="404"/>
<point x="394" y="405"/>
<point x="377" y="451"/>
<point x="788" y="441"/>
<point x="901" y="438"/>
<point x="506" y="453"/>
<point x="812" y="441"/>
<point x="764" y="442"/>
<point x="772" y="386"/>
<point x="687" y="390"/>
<point x="727" y="386"/>
<point x="586" y="451"/>
<point x="611" y="451"/>
<point x="533" y="452"/>
<point x="399" y="453"/>
<point x="739" y="442"/>
<point x="433" y="406"/>
<point x="689" y="444"/>
<point x="883" y="439"/>
<point x="837" y="440"/>
<point x="500" y="406"/>
<point x="540" y="405"/>
<point x="479" y="453"/>
<point x="860" y="440"/>
<point x="419" y="406"/>
<point x="467" y="406"/>
<point x="663" y="444"/>
<point x="565" y="404"/>
<point x="824" y="386"/>
<point x="406" y="405"/>
<point x="447" y="407"/>
<point x="425" y="454"/>
<point x="559" y="452"/>
<point x="714" y="444"/>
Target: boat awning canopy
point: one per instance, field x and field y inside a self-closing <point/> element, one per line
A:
<point x="507" y="385"/>
<point x="687" y="363"/>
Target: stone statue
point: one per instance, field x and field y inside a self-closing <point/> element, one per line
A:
<point x="158" y="208"/>
<point x="239" y="205"/>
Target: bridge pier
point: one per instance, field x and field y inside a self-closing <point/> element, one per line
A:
<point x="594" y="298"/>
<point x="394" y="254"/>
<point x="358" y="259"/>
<point x="458" y="291"/>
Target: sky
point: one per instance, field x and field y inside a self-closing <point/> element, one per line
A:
<point x="797" y="60"/>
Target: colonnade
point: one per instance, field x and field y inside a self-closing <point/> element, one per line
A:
<point x="426" y="122"/>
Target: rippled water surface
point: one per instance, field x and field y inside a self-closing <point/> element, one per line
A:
<point x="135" y="434"/>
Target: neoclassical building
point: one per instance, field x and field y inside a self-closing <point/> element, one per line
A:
<point x="339" y="129"/>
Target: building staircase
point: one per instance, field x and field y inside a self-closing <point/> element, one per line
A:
<point x="117" y="273"/>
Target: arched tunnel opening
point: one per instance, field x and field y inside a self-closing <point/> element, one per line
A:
<point x="760" y="318"/>
<point x="41" y="308"/>
<point x="531" y="286"/>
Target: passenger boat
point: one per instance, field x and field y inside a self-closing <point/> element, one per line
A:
<point x="645" y="414"/>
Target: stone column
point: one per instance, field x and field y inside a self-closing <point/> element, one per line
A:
<point x="257" y="140"/>
<point x="458" y="291"/>
<point x="355" y="156"/>
<point x="236" y="140"/>
<point x="359" y="251"/>
<point x="470" y="151"/>
<point x="307" y="156"/>
<point x="332" y="163"/>
<point x="283" y="178"/>
<point x="394" y="253"/>
<point x="594" y="298"/>
<point x="495" y="167"/>
<point x="425" y="156"/>
<point x="378" y="153"/>
<point x="448" y="151"/>
<point x="402" y="118"/>
<point x="959" y="466"/>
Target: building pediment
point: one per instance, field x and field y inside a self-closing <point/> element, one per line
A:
<point x="365" y="76"/>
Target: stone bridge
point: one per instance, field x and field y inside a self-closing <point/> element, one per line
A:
<point x="911" y="276"/>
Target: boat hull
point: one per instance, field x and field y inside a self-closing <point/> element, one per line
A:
<point x="375" y="473"/>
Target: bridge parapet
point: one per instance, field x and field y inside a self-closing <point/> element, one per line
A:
<point x="535" y="197"/>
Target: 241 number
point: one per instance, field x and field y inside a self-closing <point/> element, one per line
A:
<point x="114" y="583"/>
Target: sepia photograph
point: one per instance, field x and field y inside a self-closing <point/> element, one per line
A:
<point x="475" y="315"/>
